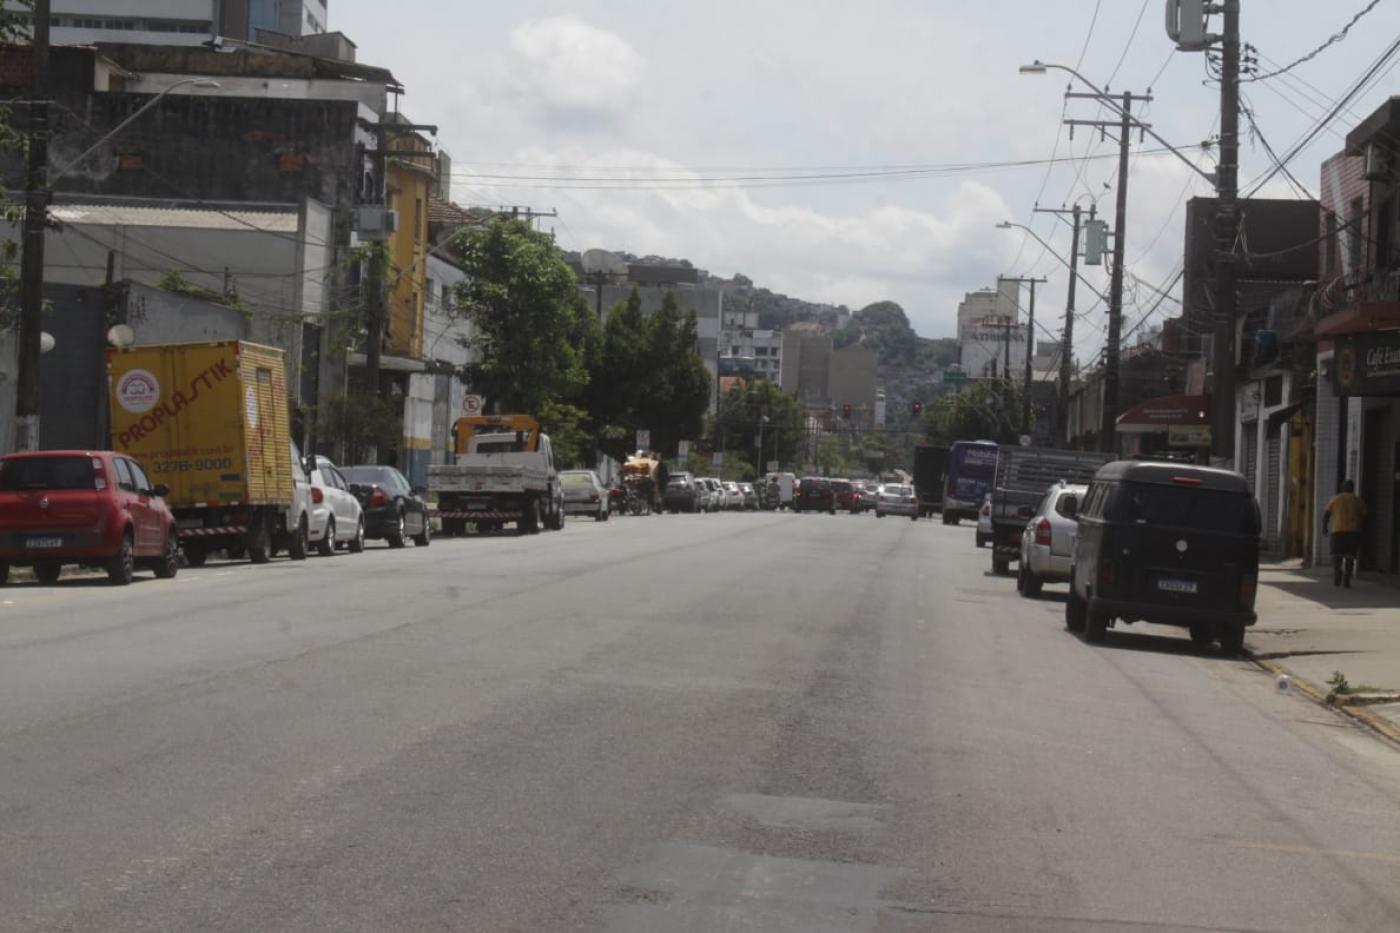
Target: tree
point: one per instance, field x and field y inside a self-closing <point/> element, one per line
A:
<point x="988" y="409"/>
<point x="648" y="375"/>
<point x="527" y="314"/>
<point x="741" y="412"/>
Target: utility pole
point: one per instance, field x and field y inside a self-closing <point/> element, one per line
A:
<point x="1030" y="342"/>
<point x="36" y="200"/>
<point x="1067" y="342"/>
<point x="1227" y="225"/>
<point x="1124" y="125"/>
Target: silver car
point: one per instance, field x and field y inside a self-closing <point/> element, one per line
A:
<point x="584" y="494"/>
<point x="1047" y="543"/>
<point x="896" y="499"/>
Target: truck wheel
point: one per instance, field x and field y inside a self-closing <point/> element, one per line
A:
<point x="48" y="571"/>
<point x="1000" y="566"/>
<point x="326" y="546"/>
<point x="914" y="517"/>
<point x="1096" y="626"/>
<point x="454" y="528"/>
<point x="299" y="545"/>
<point x="530" y="522"/>
<point x="1074" y="610"/>
<point x="949" y="519"/>
<point x="1232" y="641"/>
<point x="195" y="554"/>
<point x="879" y="514"/>
<point x="259" y="543"/>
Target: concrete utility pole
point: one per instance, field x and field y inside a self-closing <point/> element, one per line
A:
<point x="1030" y="342"/>
<point x="1124" y="124"/>
<point x="1227" y="226"/>
<point x="1067" y="342"/>
<point x="31" y="275"/>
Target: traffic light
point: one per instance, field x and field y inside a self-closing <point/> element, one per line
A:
<point x="916" y="408"/>
<point x="846" y="411"/>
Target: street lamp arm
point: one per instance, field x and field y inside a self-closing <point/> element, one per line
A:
<point x="1038" y="67"/>
<point x="1008" y="224"/>
<point x="198" y="82"/>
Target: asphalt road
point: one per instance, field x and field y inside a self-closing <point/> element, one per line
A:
<point x="730" y="722"/>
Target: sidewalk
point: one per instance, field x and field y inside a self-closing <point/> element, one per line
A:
<point x="1311" y="629"/>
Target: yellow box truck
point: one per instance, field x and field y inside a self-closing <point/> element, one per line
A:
<point x="211" y="422"/>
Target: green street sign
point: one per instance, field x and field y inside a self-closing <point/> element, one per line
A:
<point x="954" y="376"/>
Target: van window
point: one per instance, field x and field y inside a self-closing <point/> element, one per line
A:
<point x="1186" y="507"/>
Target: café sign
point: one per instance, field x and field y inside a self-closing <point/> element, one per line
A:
<point x="1367" y="364"/>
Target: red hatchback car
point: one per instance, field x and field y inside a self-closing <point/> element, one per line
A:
<point x="93" y="508"/>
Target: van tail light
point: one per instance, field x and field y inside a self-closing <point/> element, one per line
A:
<point x="1248" y="587"/>
<point x="317" y="496"/>
<point x="377" y="499"/>
<point x="1187" y="480"/>
<point x="1108" y="575"/>
<point x="1042" y="532"/>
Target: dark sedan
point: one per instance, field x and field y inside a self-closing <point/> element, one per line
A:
<point x="814" y="494"/>
<point x="393" y="509"/>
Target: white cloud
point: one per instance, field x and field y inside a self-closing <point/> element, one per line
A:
<point x="925" y="259"/>
<point x="569" y="67"/>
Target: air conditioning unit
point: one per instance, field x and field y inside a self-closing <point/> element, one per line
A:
<point x="1378" y="162"/>
<point x="373" y="222"/>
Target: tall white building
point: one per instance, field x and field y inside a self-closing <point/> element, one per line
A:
<point x="990" y="331"/>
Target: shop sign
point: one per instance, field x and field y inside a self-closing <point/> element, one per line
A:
<point x="1188" y="435"/>
<point x="1367" y="364"/>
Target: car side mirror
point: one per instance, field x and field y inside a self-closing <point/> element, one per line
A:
<point x="1071" y="508"/>
<point x="160" y="490"/>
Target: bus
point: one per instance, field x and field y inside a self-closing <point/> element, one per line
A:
<point x="972" y="472"/>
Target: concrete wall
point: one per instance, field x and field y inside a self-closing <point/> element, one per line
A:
<point x="852" y="379"/>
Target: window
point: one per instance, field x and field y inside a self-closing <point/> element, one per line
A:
<point x="124" y="479"/>
<point x="47" y="473"/>
<point x="446" y="297"/>
<point x="1356" y="221"/>
<point x="143" y="482"/>
<point x="1186" y="507"/>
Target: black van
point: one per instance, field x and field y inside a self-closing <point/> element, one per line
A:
<point x="1166" y="543"/>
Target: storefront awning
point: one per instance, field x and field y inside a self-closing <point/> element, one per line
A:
<point x="1158" y="415"/>
<point x="1364" y="317"/>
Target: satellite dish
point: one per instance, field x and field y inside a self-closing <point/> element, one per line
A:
<point x="121" y="336"/>
<point x="601" y="260"/>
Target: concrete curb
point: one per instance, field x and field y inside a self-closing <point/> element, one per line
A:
<point x="1360" y="714"/>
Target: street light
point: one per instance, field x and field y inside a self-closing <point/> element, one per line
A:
<point x="195" y="82"/>
<point x="1009" y="225"/>
<point x="1039" y="67"/>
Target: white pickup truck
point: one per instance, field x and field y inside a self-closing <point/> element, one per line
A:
<point x="503" y="471"/>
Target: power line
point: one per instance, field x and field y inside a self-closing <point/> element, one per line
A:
<point x="1331" y="41"/>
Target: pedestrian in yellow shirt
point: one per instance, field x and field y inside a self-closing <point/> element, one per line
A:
<point x="1347" y="515"/>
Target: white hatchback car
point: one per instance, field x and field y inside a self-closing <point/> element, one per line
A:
<point x="1047" y="543"/>
<point x="336" y="515"/>
<point x="896" y="499"/>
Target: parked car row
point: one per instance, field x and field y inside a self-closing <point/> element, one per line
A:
<point x="101" y="510"/>
<point x="688" y="493"/>
<point x="1159" y="542"/>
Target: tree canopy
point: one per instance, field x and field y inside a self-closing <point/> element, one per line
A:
<point x="742" y="411"/>
<point x="987" y="409"/>
<point x="531" y="325"/>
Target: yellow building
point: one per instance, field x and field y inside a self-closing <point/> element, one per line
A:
<point x="408" y="182"/>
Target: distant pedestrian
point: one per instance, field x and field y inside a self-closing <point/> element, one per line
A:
<point x="1346" y="514"/>
<point x="663" y="476"/>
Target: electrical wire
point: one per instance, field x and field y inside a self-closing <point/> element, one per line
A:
<point x="1331" y="41"/>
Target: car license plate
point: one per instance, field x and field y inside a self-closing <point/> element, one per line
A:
<point x="1176" y="586"/>
<point x="43" y="542"/>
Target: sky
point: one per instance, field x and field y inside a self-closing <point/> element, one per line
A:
<point x="692" y="131"/>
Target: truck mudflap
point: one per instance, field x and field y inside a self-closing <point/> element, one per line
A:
<point x="1006" y="541"/>
<point x="221" y="532"/>
<point x="460" y="515"/>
